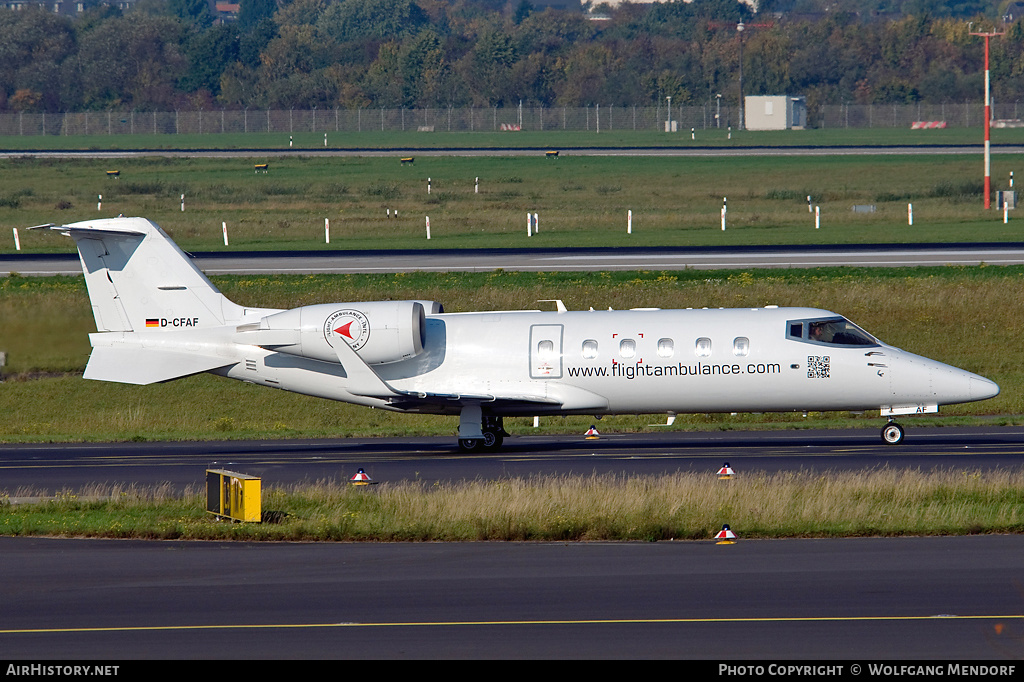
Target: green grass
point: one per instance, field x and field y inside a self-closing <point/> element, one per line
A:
<point x="681" y="506"/>
<point x="549" y="139"/>
<point x="580" y="200"/>
<point x="968" y="317"/>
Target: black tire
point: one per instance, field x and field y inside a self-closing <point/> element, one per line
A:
<point x="492" y="440"/>
<point x="892" y="433"/>
<point x="470" y="444"/>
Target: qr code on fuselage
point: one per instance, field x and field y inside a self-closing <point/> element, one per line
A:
<point x="817" y="366"/>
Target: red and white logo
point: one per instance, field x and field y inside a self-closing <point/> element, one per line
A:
<point x="350" y="325"/>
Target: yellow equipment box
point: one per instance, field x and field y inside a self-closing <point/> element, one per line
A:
<point x="233" y="495"/>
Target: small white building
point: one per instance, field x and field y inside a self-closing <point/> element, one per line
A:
<point x="774" y="112"/>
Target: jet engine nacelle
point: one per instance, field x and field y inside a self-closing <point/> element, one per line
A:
<point x="379" y="331"/>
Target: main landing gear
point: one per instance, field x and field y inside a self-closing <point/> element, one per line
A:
<point x="491" y="434"/>
<point x="892" y="433"/>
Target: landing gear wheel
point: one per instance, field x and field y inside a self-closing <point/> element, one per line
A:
<point x="892" y="433"/>
<point x="492" y="440"/>
<point x="470" y="444"/>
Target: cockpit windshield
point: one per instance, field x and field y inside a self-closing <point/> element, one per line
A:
<point x="833" y="331"/>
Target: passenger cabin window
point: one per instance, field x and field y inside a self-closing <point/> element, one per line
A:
<point x="590" y="349"/>
<point x="703" y="348"/>
<point x="666" y="348"/>
<point x="836" y="331"/>
<point x="741" y="346"/>
<point x="546" y="349"/>
<point x="627" y="348"/>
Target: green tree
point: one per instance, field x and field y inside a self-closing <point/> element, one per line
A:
<point x="252" y="12"/>
<point x="208" y="54"/>
<point x="131" y="61"/>
<point x="195" y="12"/>
<point x="351" y="20"/>
<point x="34" y="44"/>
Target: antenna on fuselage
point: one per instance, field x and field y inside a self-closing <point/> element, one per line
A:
<point x="559" y="306"/>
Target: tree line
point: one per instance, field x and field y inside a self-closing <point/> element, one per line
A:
<point x="170" y="54"/>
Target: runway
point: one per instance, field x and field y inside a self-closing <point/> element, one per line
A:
<point x="843" y="602"/>
<point x="47" y="468"/>
<point x="559" y="260"/>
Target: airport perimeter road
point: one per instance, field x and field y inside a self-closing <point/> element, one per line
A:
<point x="560" y="260"/>
<point x="836" y="601"/>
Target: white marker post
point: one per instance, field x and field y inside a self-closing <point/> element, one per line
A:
<point x="325" y="140"/>
<point x="224" y="229"/>
<point x="910" y="214"/>
<point x="817" y="217"/>
<point x="99" y="202"/>
<point x="723" y="219"/>
<point x="428" y="185"/>
<point x="476" y="186"/>
<point x="809" y="209"/>
<point x="428" y="227"/>
<point x="182" y="203"/>
<point x="17" y="242"/>
<point x="327" y="230"/>
<point x="693" y="134"/>
<point x="536" y="224"/>
<point x="1006" y="210"/>
<point x="629" y="221"/>
<point x="529" y="224"/>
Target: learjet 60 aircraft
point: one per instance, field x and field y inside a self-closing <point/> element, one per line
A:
<point x="159" y="318"/>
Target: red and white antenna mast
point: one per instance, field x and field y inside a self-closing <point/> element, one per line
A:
<point x="988" y="119"/>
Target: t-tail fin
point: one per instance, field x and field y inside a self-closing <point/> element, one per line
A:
<point x="138" y="279"/>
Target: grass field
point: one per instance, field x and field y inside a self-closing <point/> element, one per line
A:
<point x="580" y="200"/>
<point x="549" y="139"/>
<point x="968" y="317"/>
<point x="681" y="506"/>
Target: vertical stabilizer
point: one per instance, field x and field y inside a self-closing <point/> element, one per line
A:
<point x="138" y="279"/>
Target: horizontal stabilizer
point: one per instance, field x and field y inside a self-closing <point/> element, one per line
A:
<point x="79" y="229"/>
<point x="146" y="366"/>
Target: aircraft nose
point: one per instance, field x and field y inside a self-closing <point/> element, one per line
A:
<point x="982" y="388"/>
<point x="954" y="385"/>
<point x="920" y="379"/>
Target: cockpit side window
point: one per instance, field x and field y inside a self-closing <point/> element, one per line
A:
<point x="834" y="331"/>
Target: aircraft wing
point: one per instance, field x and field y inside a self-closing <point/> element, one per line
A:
<point x="365" y="382"/>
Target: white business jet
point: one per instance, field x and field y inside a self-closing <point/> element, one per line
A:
<point x="159" y="318"/>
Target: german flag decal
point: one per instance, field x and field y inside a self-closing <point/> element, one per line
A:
<point x="152" y="322"/>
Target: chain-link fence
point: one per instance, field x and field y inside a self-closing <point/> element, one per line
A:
<point x="596" y="118"/>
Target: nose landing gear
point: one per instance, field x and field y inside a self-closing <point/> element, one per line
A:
<point x="892" y="433"/>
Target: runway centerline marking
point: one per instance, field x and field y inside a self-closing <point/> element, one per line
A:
<point x="480" y="623"/>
